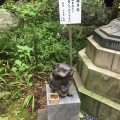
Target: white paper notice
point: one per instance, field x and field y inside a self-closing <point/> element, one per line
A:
<point x="70" y="11"/>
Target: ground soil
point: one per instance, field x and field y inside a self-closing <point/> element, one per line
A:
<point x="38" y="90"/>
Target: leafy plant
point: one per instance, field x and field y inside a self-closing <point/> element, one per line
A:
<point x="4" y="95"/>
<point x="21" y="71"/>
<point x="16" y="112"/>
<point x="24" y="53"/>
<point x="7" y="45"/>
<point x="3" y="118"/>
<point x="93" y="13"/>
<point x="29" y="98"/>
<point x="34" y="47"/>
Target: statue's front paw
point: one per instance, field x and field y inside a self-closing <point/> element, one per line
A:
<point x="70" y="93"/>
<point x="62" y="94"/>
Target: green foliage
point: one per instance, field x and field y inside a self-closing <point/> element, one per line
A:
<point x="16" y="112"/>
<point x="3" y="118"/>
<point x="26" y="12"/>
<point x="81" y="115"/>
<point x="50" y="46"/>
<point x="4" y="94"/>
<point x="36" y="44"/>
<point x="93" y="13"/>
<point x="29" y="98"/>
<point x="7" y="45"/>
<point x="24" y="53"/>
<point x="22" y="71"/>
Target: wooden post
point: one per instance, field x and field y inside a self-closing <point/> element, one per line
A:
<point x="70" y="42"/>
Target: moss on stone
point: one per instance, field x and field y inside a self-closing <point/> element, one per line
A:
<point x="14" y="112"/>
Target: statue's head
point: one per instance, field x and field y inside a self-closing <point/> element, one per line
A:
<point x="63" y="71"/>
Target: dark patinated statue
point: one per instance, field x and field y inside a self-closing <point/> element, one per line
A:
<point x="109" y="3"/>
<point x="2" y="1"/>
<point x="60" y="79"/>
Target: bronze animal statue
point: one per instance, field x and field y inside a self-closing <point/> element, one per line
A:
<point x="109" y="3"/>
<point x="60" y="79"/>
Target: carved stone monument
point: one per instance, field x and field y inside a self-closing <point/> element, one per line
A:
<point x="99" y="73"/>
<point x="109" y="35"/>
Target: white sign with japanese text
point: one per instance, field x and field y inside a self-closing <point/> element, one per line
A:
<point x="70" y="11"/>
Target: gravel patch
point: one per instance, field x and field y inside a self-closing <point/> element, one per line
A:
<point x="87" y="116"/>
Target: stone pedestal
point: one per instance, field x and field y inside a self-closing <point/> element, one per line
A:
<point x="99" y="80"/>
<point x="103" y="57"/>
<point x="95" y="104"/>
<point x="99" y="72"/>
<point x="67" y="109"/>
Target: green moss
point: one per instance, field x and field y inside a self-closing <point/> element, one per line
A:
<point x="108" y="113"/>
<point x="14" y="112"/>
<point x="103" y="85"/>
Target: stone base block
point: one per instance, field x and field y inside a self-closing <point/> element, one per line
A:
<point x="96" y="105"/>
<point x="103" y="57"/>
<point x="108" y="112"/>
<point x="67" y="109"/>
<point x="99" y="80"/>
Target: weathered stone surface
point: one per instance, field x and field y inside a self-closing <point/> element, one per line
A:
<point x="96" y="105"/>
<point x="100" y="81"/>
<point x="89" y="101"/>
<point x="67" y="109"/>
<point x="108" y="36"/>
<point x="8" y="20"/>
<point x="89" y="104"/>
<point x="112" y="29"/>
<point x="100" y="56"/>
<point x="108" y="113"/>
<point x="116" y="62"/>
<point x="83" y="70"/>
<point x="91" y="48"/>
<point x="103" y="57"/>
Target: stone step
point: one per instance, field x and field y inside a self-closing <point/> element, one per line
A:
<point x="103" y="57"/>
<point x="98" y="80"/>
<point x="94" y="104"/>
